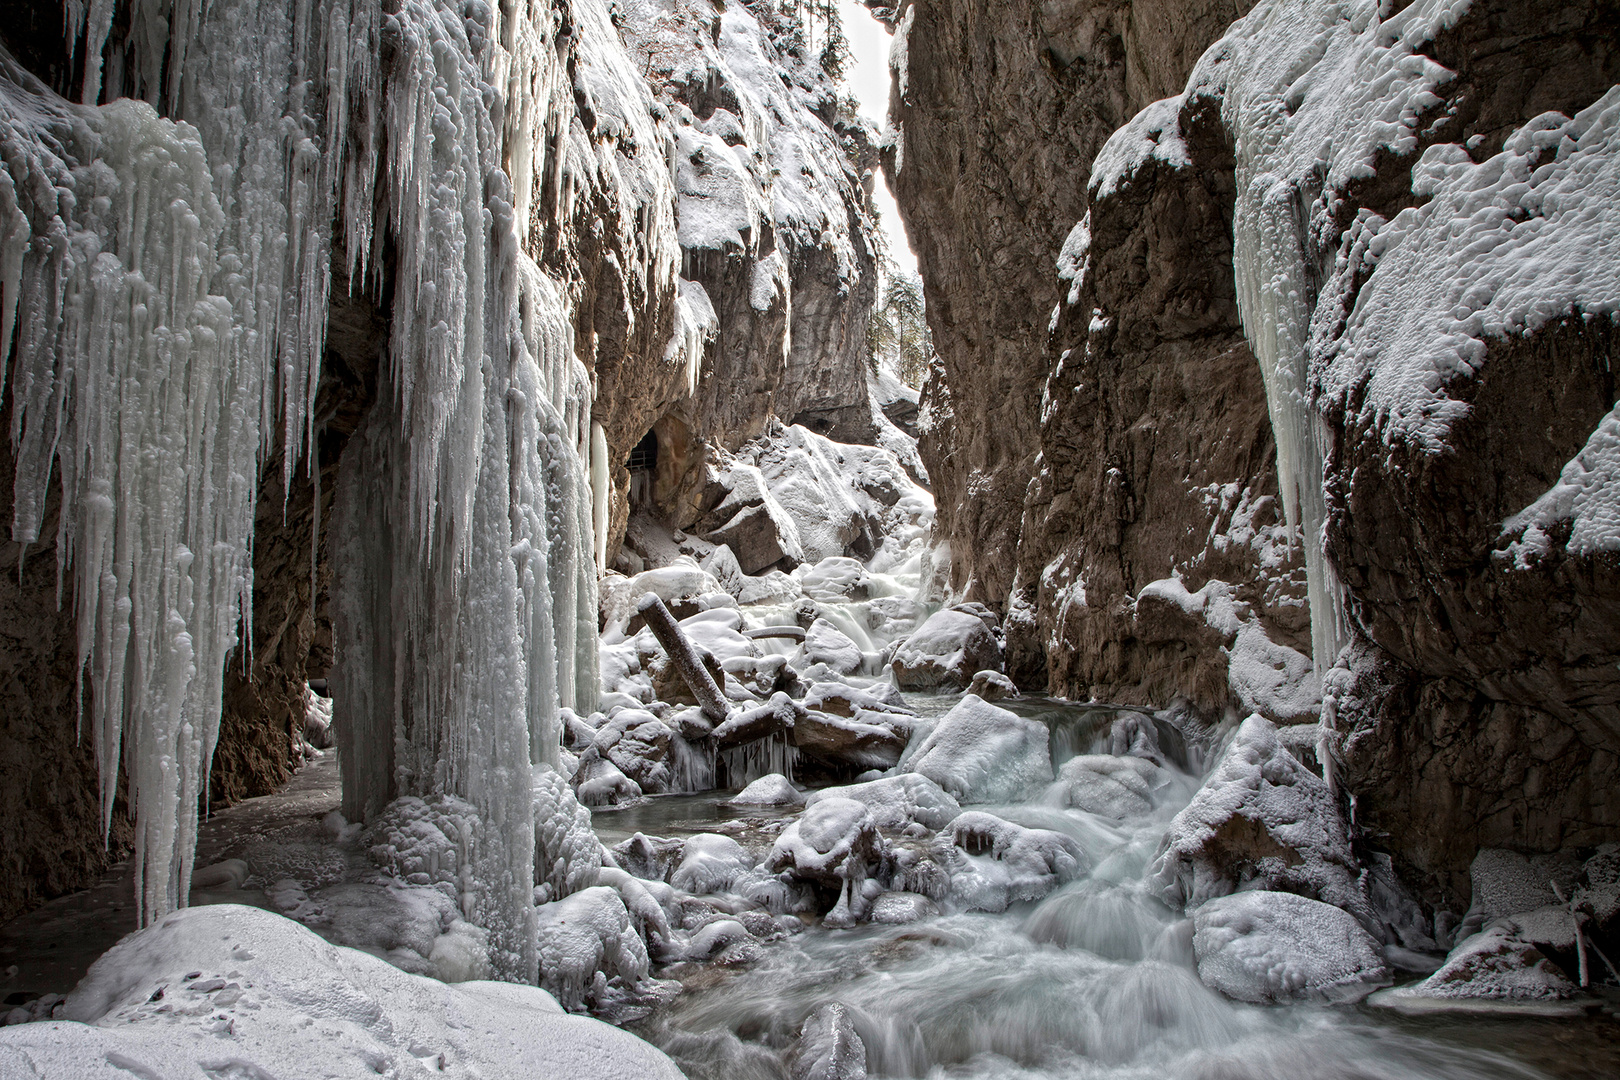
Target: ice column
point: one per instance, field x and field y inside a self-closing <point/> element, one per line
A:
<point x="1274" y="296"/>
<point x="466" y="600"/>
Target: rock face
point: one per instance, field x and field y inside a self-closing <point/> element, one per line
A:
<point x="999" y="109"/>
<point x="1466" y="437"/>
<point x="778" y="272"/>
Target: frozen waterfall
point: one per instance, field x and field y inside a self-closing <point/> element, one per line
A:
<point x="167" y="277"/>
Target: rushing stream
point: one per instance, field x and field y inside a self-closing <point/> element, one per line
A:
<point x="1095" y="980"/>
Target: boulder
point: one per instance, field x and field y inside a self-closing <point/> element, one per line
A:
<point x="1267" y="947"/>
<point x="1497" y="964"/>
<point x="898" y="801"/>
<point x="981" y="753"/>
<point x="772" y="789"/>
<point x="835" y="842"/>
<point x="946" y="651"/>
<point x="824" y="643"/>
<point x="1261" y="821"/>
<point x="1116" y="787"/>
<point x="992" y="686"/>
<point x="829" y="1047"/>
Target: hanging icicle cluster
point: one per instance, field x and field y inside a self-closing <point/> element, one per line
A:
<point x="168" y="283"/>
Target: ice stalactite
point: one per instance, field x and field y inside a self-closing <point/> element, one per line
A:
<point x="169" y="285"/>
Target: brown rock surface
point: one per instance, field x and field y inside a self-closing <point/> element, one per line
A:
<point x="1004" y="107"/>
<point x="1156" y="453"/>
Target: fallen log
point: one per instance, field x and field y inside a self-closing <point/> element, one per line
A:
<point x="684" y="656"/>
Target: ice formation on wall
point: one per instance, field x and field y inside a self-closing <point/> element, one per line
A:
<point x="1311" y="97"/>
<point x="1311" y="93"/>
<point x="167" y="283"/>
<point x="168" y="286"/>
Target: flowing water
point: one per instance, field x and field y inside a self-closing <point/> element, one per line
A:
<point x="1095" y="980"/>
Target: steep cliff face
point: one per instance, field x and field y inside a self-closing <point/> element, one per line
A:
<point x="1421" y="227"/>
<point x="778" y="274"/>
<point x="998" y="111"/>
<point x="1154" y="562"/>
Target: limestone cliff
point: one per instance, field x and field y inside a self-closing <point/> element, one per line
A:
<point x="998" y="110"/>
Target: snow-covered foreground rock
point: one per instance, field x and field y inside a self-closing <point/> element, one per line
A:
<point x="229" y="991"/>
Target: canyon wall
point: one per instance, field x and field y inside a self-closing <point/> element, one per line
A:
<point x="1279" y="255"/>
<point x="695" y="311"/>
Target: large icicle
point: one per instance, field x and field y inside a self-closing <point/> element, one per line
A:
<point x="171" y="284"/>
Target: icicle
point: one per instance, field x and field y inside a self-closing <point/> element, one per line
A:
<point x="169" y="284"/>
<point x="599" y="492"/>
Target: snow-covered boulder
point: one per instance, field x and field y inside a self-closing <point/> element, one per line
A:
<point x="710" y="863"/>
<point x="836" y="577"/>
<point x="946" y="651"/>
<point x="753" y="524"/>
<point x="981" y="753"/>
<point x="1498" y="965"/>
<point x="1506" y="883"/>
<point x="836" y="842"/>
<point x="1116" y="787"/>
<point x="992" y="686"/>
<point x="841" y="699"/>
<point x="1270" y="946"/>
<point x="1261" y="820"/>
<point x="824" y="643"/>
<point x="638" y="745"/>
<point x="898" y="801"/>
<point x="985" y="863"/>
<point x="829" y="1047"/>
<point x="583" y="934"/>
<point x="223" y="987"/>
<point x="772" y="789"/>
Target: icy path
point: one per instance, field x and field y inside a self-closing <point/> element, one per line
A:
<point x="48" y="950"/>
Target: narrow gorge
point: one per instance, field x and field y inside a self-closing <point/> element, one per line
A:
<point x="530" y="560"/>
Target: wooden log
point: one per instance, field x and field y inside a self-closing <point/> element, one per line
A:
<point x="684" y="656"/>
<point x="794" y="632"/>
<point x="774" y="717"/>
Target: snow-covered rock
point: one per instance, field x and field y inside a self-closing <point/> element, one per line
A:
<point x="1117" y="787"/>
<point x="1261" y="820"/>
<point x="567" y="855"/>
<point x="829" y="1047"/>
<point x="583" y="935"/>
<point x="981" y="753"/>
<point x="1497" y="964"/>
<point x="1271" y="946"/>
<point x="898" y="801"/>
<point x="824" y="643"/>
<point x="944" y="651"/>
<point x="985" y="863"/>
<point x="223" y="990"/>
<point x="709" y="863"/>
<point x="837" y="577"/>
<point x="868" y="740"/>
<point x="992" y="686"/>
<point x="772" y="789"/>
<point x="837" y="842"/>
